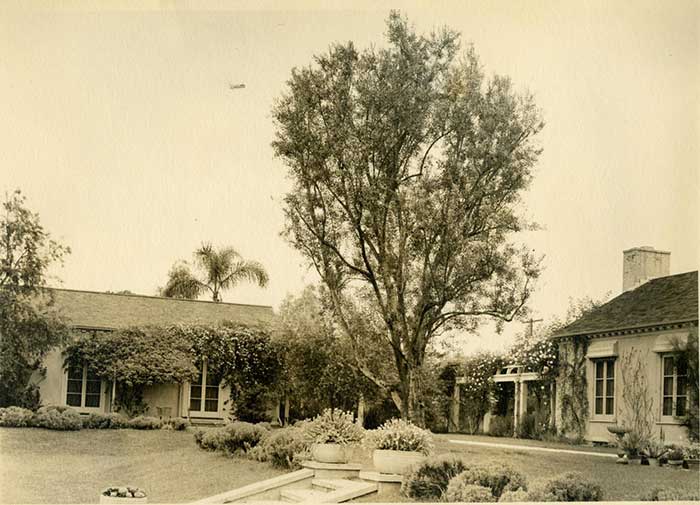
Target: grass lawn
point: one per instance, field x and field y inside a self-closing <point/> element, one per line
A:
<point x="42" y="466"/>
<point x="619" y="482"/>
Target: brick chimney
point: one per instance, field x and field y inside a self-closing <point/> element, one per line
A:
<point x="641" y="264"/>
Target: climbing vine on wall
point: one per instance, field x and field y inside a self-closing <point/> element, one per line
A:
<point x="572" y="394"/>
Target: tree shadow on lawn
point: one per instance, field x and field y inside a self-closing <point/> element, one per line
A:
<point x="42" y="466"/>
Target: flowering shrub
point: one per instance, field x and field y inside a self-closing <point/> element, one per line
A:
<point x="16" y="417"/>
<point x="497" y="478"/>
<point x="536" y="353"/>
<point x="428" y="481"/>
<point x="675" y="452"/>
<point x="692" y="451"/>
<point x="283" y="448"/>
<point x="333" y="426"/>
<point x="400" y="435"/>
<point x="53" y="418"/>
<point x="478" y="390"/>
<point x="458" y="491"/>
<point x="234" y="438"/>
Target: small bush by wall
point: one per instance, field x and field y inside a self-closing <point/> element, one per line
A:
<point x="16" y="417"/>
<point x="429" y="480"/>
<point x="145" y="423"/>
<point x="571" y="486"/>
<point x="234" y="438"/>
<point x="96" y="421"/>
<point x="501" y="426"/>
<point x="462" y="492"/>
<point x="54" y="418"/>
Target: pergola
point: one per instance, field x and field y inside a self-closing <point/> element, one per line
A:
<point x="520" y="376"/>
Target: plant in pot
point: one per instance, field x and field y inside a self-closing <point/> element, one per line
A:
<point x="330" y="433"/>
<point x="398" y="445"/>
<point x="631" y="444"/>
<point x="618" y="432"/>
<point x="123" y="494"/>
<point x="654" y="451"/>
<point x="675" y="455"/>
<point x="692" y="456"/>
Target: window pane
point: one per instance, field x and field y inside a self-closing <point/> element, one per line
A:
<point x="668" y="365"/>
<point x="75" y="373"/>
<point x="599" y="369"/>
<point x="195" y="404"/>
<point x="610" y="369"/>
<point x="668" y="386"/>
<point x="75" y="386"/>
<point x="198" y="380"/>
<point x="196" y="392"/>
<point x="609" y="405"/>
<point x="610" y="390"/>
<point x="598" y="405"/>
<point x="680" y="406"/>
<point x="211" y="405"/>
<point x="93" y="387"/>
<point x="680" y="386"/>
<point x="212" y="392"/>
<point x="681" y="367"/>
<point x="212" y="380"/>
<point x="668" y="406"/>
<point x="92" y="400"/>
<point x="92" y="376"/>
<point x="599" y="387"/>
<point x="73" y="400"/>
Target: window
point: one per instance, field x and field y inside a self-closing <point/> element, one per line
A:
<point x="204" y="392"/>
<point x="675" y="376"/>
<point x="84" y="388"/>
<point x="605" y="387"/>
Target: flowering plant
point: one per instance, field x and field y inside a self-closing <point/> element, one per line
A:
<point x="692" y="451"/>
<point x="332" y="426"/>
<point x="400" y="435"/>
<point x="675" y="452"/>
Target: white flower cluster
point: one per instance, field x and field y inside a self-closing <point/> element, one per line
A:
<point x="400" y="435"/>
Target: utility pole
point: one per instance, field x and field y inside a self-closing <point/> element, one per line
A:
<point x="532" y="322"/>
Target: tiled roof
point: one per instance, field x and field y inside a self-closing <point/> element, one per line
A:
<point x="659" y="301"/>
<point x="90" y="309"/>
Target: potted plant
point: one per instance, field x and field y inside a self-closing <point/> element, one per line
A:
<point x="675" y="455"/>
<point x="654" y="450"/>
<point x="619" y="432"/>
<point x="631" y="443"/>
<point x="125" y="495"/>
<point x="398" y="445"/>
<point x="330" y="433"/>
<point x="691" y="455"/>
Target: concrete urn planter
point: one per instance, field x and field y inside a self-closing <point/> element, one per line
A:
<point x="329" y="453"/>
<point x="124" y="495"/>
<point x="395" y="462"/>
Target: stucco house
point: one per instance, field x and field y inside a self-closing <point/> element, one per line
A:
<point x="87" y="311"/>
<point x="652" y="317"/>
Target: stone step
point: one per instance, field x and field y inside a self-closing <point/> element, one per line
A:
<point x="329" y="491"/>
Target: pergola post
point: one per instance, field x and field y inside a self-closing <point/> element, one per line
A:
<point x="453" y="425"/>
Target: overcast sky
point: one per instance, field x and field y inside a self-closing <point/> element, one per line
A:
<point x="121" y="130"/>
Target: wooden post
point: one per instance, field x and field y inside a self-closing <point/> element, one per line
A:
<point x="361" y="411"/>
<point x="453" y="424"/>
<point x="516" y="406"/>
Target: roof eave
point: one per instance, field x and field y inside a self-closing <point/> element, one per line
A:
<point x="623" y="328"/>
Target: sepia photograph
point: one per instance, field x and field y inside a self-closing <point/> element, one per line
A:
<point x="344" y="251"/>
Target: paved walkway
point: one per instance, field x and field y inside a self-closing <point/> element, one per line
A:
<point x="531" y="448"/>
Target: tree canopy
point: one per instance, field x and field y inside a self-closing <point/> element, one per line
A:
<point x="29" y="328"/>
<point x="408" y="167"/>
<point x="219" y="270"/>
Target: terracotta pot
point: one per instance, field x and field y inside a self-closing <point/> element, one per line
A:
<point x="329" y="453"/>
<point x="395" y="462"/>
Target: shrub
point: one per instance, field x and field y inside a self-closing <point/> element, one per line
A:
<point x="572" y="486"/>
<point x="428" y="481"/>
<point x="282" y="448"/>
<point x="400" y="435"/>
<point x="16" y="417"/>
<point x="333" y="426"/>
<point x="692" y="451"/>
<point x="176" y="424"/>
<point x="497" y="478"/>
<point x="519" y="495"/>
<point x="65" y="419"/>
<point x="459" y="491"/>
<point x="199" y="437"/>
<point x="501" y="426"/>
<point x="672" y="494"/>
<point x="675" y="452"/>
<point x="145" y="423"/>
<point x="234" y="438"/>
<point x="112" y="421"/>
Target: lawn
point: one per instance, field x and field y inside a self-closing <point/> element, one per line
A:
<point x="42" y="466"/>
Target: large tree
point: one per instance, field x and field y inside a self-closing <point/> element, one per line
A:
<point x="408" y="167"/>
<point x="219" y="269"/>
<point x="29" y="327"/>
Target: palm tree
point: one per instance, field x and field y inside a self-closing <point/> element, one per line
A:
<point x="220" y="270"/>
